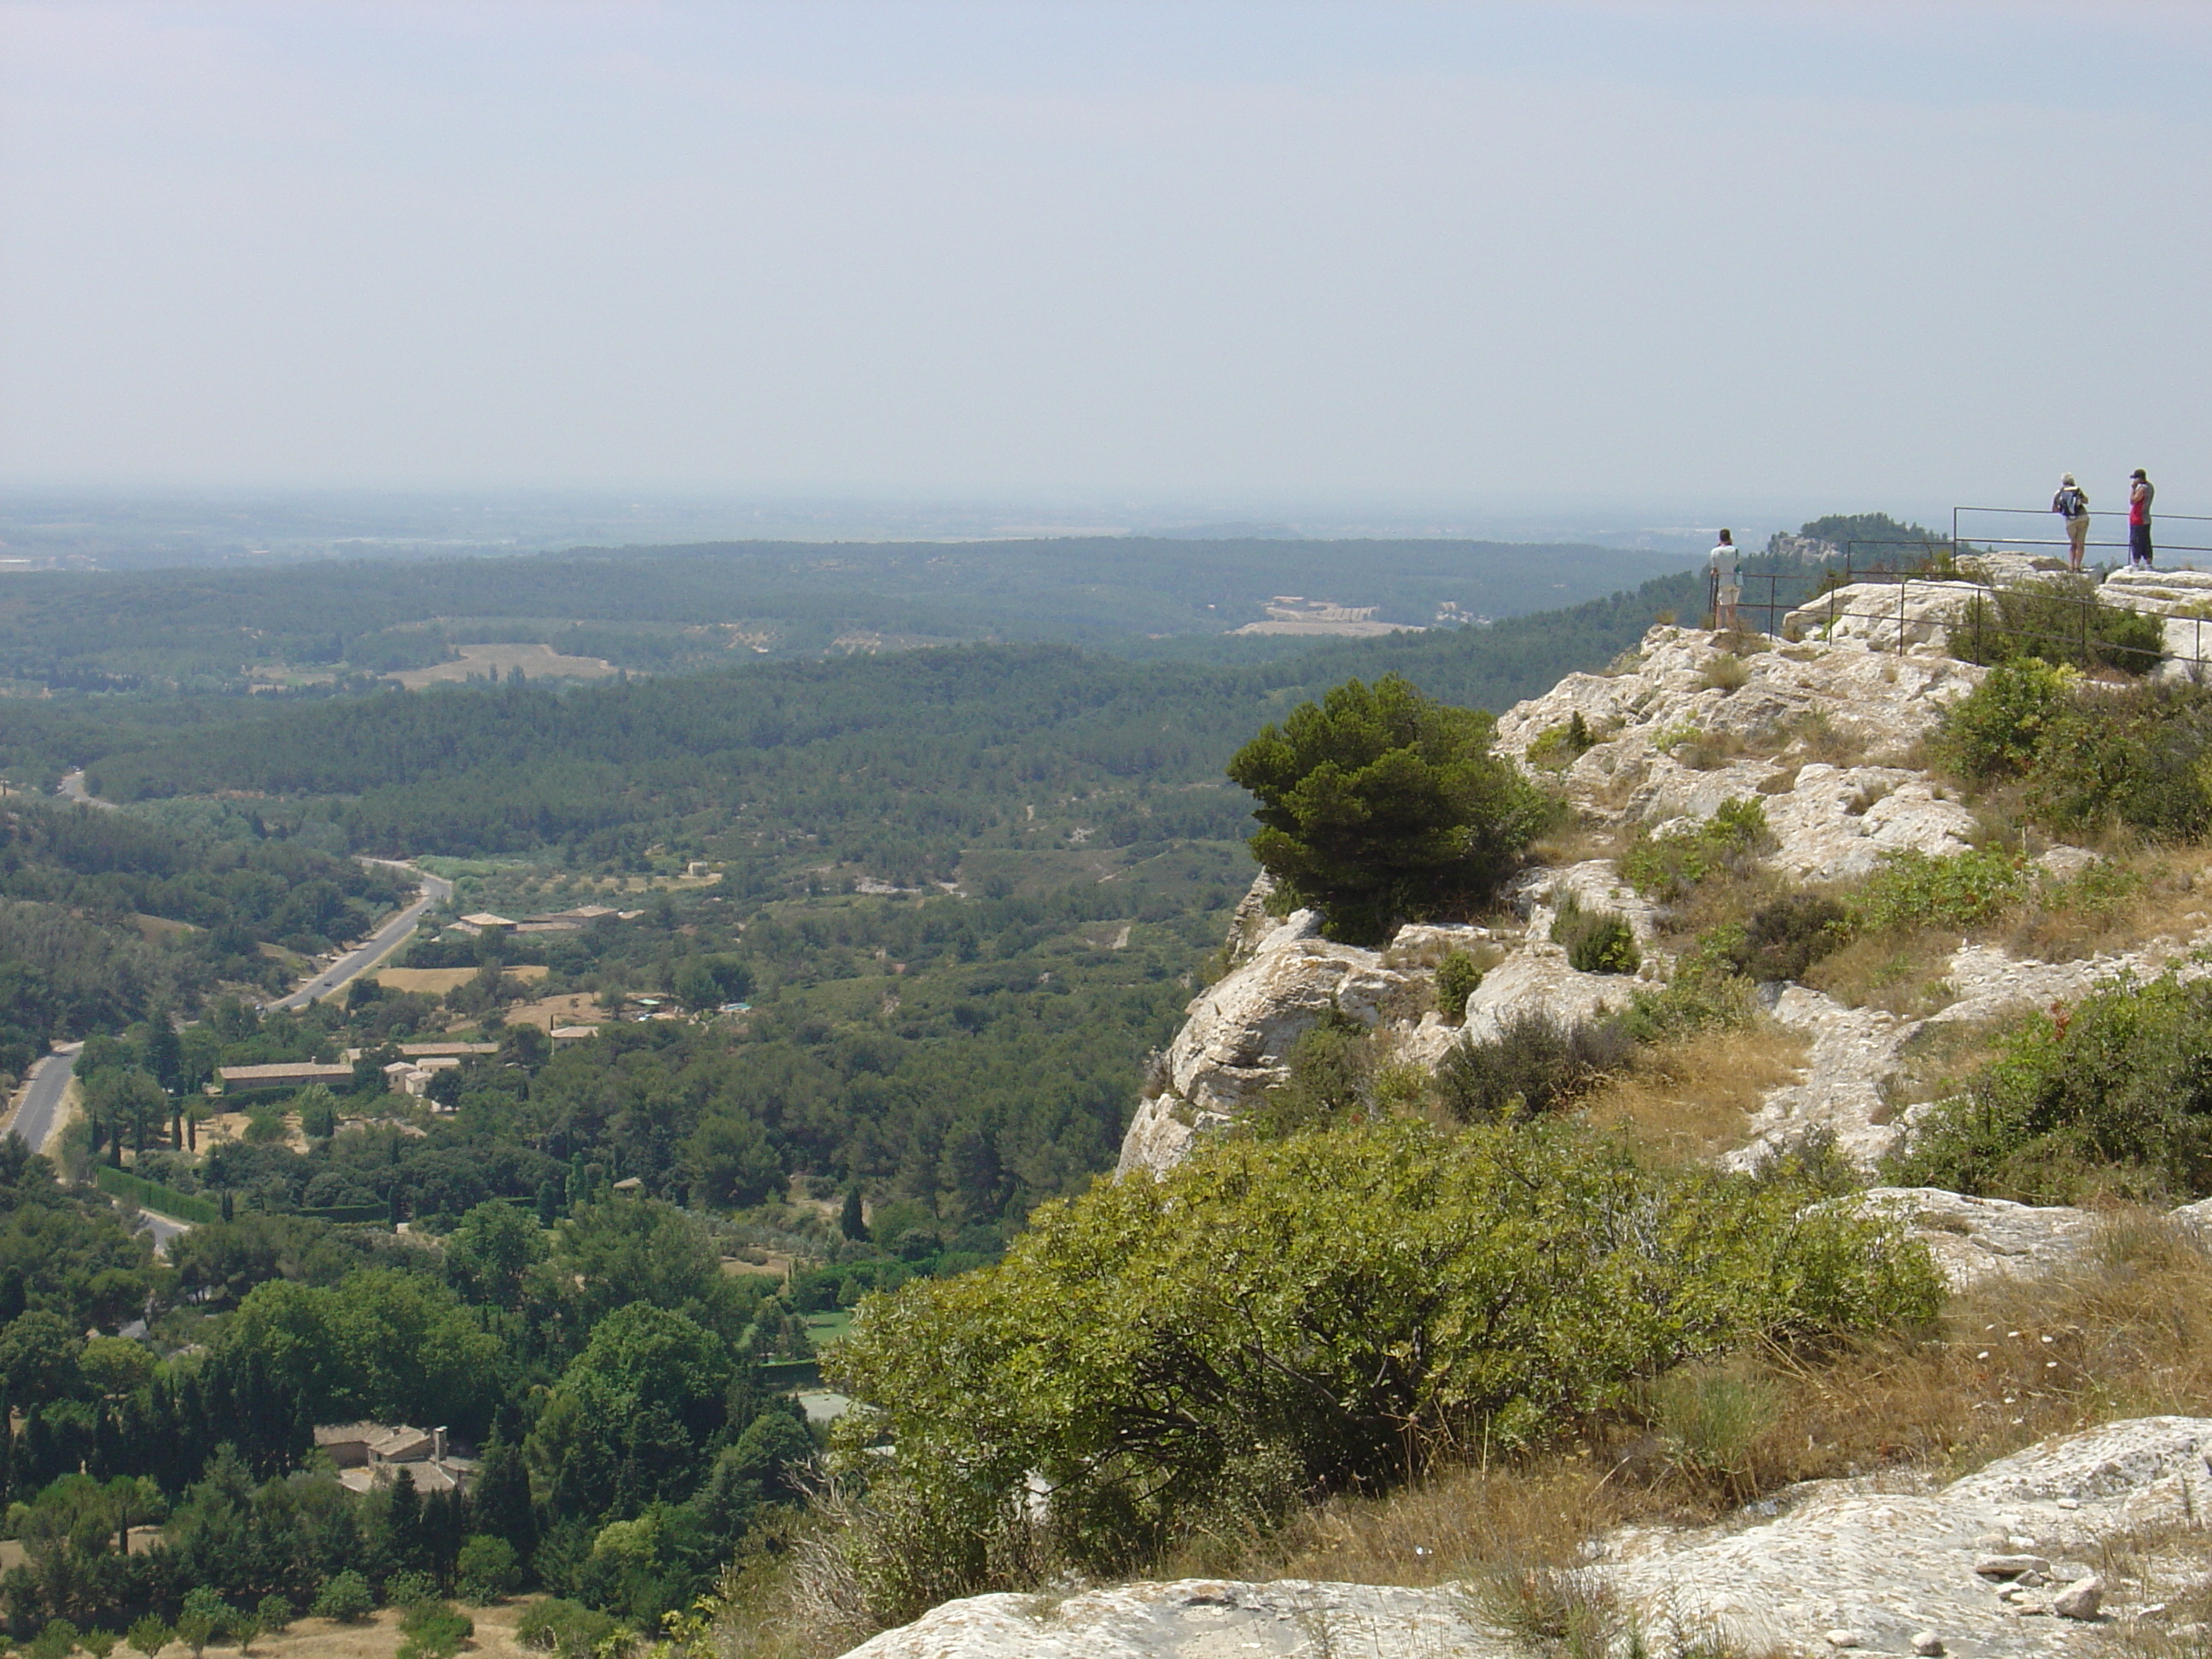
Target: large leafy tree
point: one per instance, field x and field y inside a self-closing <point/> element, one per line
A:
<point x="1379" y="805"/>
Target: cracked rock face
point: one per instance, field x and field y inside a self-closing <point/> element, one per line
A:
<point x="1901" y="1568"/>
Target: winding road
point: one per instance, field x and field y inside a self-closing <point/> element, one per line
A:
<point x="47" y="1083"/>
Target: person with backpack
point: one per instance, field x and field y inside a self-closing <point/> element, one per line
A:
<point x="2071" y="503"/>
<point x="1728" y="584"/>
<point x="2140" y="492"/>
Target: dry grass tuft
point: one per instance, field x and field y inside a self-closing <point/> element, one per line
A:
<point x="1690" y="1100"/>
<point x="1578" y="841"/>
<point x="1901" y="973"/>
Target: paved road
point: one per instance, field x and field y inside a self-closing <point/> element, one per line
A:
<point x="436" y="889"/>
<point x="73" y="789"/>
<point x="35" y="1118"/>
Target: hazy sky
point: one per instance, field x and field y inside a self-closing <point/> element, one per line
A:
<point x="1857" y="253"/>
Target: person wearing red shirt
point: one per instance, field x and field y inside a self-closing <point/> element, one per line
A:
<point x="2139" y="498"/>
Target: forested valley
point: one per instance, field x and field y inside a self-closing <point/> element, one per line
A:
<point x="762" y="989"/>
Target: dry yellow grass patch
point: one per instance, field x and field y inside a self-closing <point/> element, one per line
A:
<point x="2174" y="901"/>
<point x="1690" y="1100"/>
<point x="439" y="981"/>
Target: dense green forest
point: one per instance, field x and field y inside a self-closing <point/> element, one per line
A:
<point x="662" y="609"/>
<point x="962" y="894"/>
<point x="899" y="764"/>
<point x="81" y="894"/>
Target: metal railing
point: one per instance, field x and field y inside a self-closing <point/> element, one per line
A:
<point x="1967" y="522"/>
<point x="1984" y="621"/>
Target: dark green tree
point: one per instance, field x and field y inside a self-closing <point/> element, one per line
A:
<point x="853" y="1219"/>
<point x="1379" y="805"/>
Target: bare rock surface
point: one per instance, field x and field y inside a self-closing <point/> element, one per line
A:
<point x="1972" y="1239"/>
<point x="1196" y="1619"/>
<point x="1892" y="614"/>
<point x="1237" y="1033"/>
<point x="1897" y="1564"/>
<point x="1894" y="1566"/>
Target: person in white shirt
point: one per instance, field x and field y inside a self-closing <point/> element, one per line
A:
<point x="1728" y="584"/>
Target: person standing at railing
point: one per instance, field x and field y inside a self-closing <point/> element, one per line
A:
<point x="2071" y="503"/>
<point x="1728" y="584"/>
<point x="2140" y="491"/>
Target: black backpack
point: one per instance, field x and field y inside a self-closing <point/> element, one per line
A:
<point x="2072" y="503"/>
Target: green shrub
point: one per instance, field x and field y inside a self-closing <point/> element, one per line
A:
<point x="486" y="1569"/>
<point x="1706" y="992"/>
<point x="1560" y="746"/>
<point x="1785" y="938"/>
<point x="345" y="1597"/>
<point x="57" y="1640"/>
<point x="567" y="1628"/>
<point x="433" y="1631"/>
<point x="1331" y="1068"/>
<point x="1597" y="941"/>
<point x="97" y="1643"/>
<point x="1457" y="979"/>
<point x="2116" y="1100"/>
<point x="1363" y="1301"/>
<point x="205" y="1602"/>
<point x="1668" y="867"/>
<point x="274" y="1614"/>
<point x="1534" y="1064"/>
<point x="410" y="1589"/>
<point x="2059" y="619"/>
<point x="1379" y="805"/>
<point x="2089" y="756"/>
<point x="1998" y="729"/>
<point x="1911" y="889"/>
<point x="150" y="1635"/>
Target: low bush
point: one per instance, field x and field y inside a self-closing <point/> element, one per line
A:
<point x="150" y="1635"/>
<point x="1534" y="1064"/>
<point x="2113" y="1098"/>
<point x="1332" y="1069"/>
<point x="1560" y="746"/>
<point x="1784" y="939"/>
<point x="1705" y="994"/>
<point x="56" y="1641"/>
<point x="274" y="1614"/>
<point x="1597" y="941"/>
<point x="433" y="1631"/>
<point x="1911" y="891"/>
<point x="566" y="1628"/>
<point x="410" y="1589"/>
<point x="1726" y="672"/>
<point x="2059" y="619"/>
<point x="1998" y="729"/>
<point x="1668" y="867"/>
<point x="1457" y="979"/>
<point x="1362" y="1303"/>
<point x="344" y="1597"/>
<point x="2087" y="756"/>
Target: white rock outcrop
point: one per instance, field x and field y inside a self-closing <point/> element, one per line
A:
<point x="1904" y="1567"/>
<point x="1236" y="1034"/>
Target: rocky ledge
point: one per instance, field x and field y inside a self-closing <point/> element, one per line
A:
<point x="1679" y="728"/>
<point x="2053" y="1551"/>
